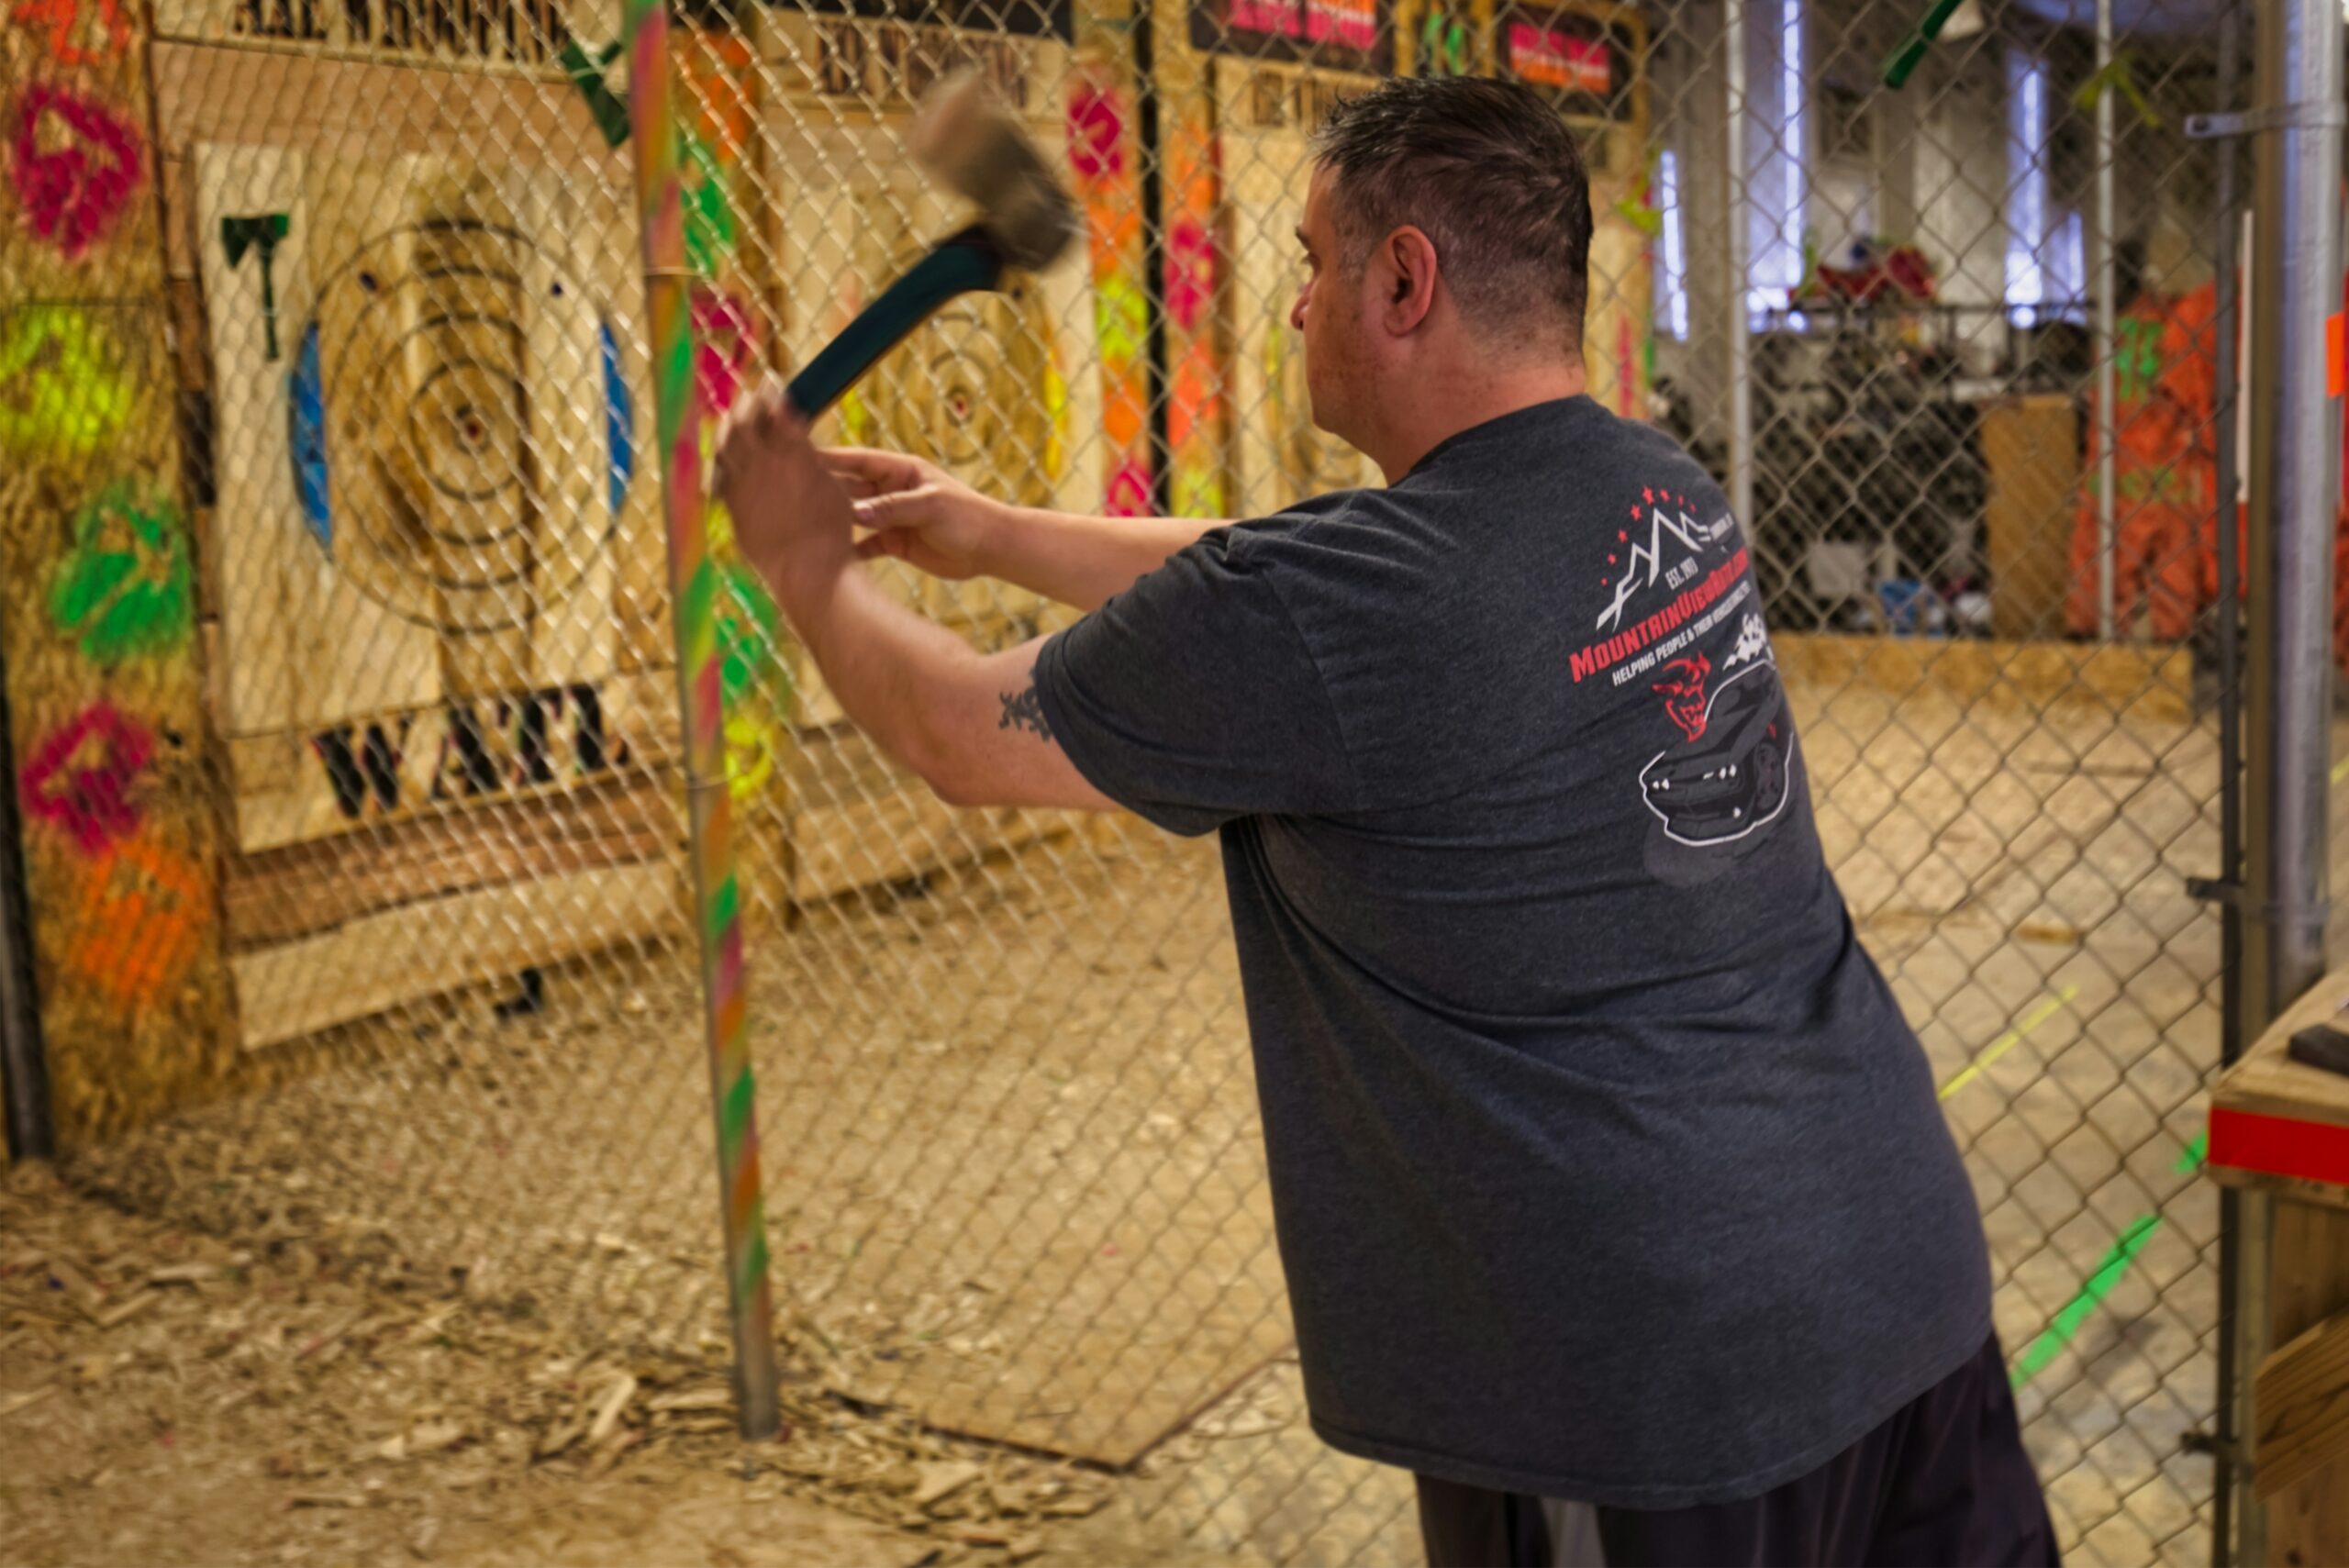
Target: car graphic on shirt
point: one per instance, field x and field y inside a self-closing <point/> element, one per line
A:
<point x="1734" y="777"/>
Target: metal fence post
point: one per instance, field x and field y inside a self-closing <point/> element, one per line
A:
<point x="693" y="587"/>
<point x="1734" y="253"/>
<point x="2295" y="493"/>
<point x="2108" y="625"/>
<point x="2226" y="325"/>
<point x="24" y="1060"/>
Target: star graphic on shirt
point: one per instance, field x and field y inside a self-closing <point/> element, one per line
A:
<point x="1648" y="495"/>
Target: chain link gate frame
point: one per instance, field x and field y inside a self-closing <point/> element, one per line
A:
<point x="426" y="771"/>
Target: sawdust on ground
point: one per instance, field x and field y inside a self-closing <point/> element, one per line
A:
<point x="168" y="1396"/>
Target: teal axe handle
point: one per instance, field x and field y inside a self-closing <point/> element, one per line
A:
<point x="963" y="263"/>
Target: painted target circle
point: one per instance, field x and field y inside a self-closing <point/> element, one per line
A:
<point x="966" y="390"/>
<point x="461" y="427"/>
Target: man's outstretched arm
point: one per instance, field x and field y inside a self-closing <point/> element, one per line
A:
<point x="921" y="515"/>
<point x="968" y="723"/>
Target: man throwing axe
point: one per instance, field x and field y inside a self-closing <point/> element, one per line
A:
<point x="1614" y="1194"/>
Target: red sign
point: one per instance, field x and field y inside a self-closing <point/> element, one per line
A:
<point x="1340" y="35"/>
<point x="1348" y="24"/>
<point x="1549" y="57"/>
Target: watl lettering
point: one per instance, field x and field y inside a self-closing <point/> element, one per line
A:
<point x="516" y="751"/>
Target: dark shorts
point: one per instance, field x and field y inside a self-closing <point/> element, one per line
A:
<point x="1945" y="1481"/>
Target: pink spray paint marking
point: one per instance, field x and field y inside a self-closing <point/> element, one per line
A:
<point x="92" y="801"/>
<point x="72" y="193"/>
<point x="1129" y="490"/>
<point x="726" y="349"/>
<point x="1097" y="133"/>
<point x="1190" y="273"/>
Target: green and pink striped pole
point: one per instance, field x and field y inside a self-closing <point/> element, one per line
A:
<point x="693" y="584"/>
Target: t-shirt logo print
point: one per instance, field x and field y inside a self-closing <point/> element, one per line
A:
<point x="1731" y="775"/>
<point x="1668" y="523"/>
<point x="1684" y="694"/>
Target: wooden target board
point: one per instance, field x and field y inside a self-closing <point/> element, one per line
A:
<point x="427" y="406"/>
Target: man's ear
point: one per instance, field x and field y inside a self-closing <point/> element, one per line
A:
<point x="1406" y="264"/>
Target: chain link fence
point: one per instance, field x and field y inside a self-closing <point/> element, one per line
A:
<point x="347" y="706"/>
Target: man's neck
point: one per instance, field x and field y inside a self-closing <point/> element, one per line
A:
<point x="1465" y="398"/>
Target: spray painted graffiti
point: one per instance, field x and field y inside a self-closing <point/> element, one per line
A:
<point x="1442" y="40"/>
<point x="709" y="210"/>
<point x="82" y="778"/>
<point x="62" y="21"/>
<point x="483" y="747"/>
<point x="1190" y="273"/>
<point x="137" y="930"/>
<point x="72" y="193"/>
<point x="1097" y="133"/>
<point x="1196" y="409"/>
<point x="753" y="743"/>
<point x="63" y="389"/>
<point x="726" y="347"/>
<point x="126" y="586"/>
<point x="1111" y="194"/>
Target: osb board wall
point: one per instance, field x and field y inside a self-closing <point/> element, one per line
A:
<point x="96" y="585"/>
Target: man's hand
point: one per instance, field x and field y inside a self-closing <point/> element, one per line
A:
<point x="793" y="521"/>
<point x="918" y="513"/>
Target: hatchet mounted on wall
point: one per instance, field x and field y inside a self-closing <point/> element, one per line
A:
<point x="258" y="232"/>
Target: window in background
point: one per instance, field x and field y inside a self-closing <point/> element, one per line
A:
<point x="1774" y="179"/>
<point x="2045" y="269"/>
<point x="1671" y="249"/>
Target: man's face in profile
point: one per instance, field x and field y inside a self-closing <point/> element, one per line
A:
<point x="1329" y="315"/>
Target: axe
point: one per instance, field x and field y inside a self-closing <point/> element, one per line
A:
<point x="261" y="233"/>
<point x="969" y="143"/>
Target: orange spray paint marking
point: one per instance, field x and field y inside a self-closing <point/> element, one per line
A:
<point x="61" y="19"/>
<point x="140" y="906"/>
<point x="2336" y="355"/>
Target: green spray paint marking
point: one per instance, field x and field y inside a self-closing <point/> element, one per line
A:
<point x="2068" y="1323"/>
<point x="709" y="216"/>
<point x="127" y="587"/>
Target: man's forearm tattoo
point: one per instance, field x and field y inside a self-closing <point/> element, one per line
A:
<point x="1025" y="710"/>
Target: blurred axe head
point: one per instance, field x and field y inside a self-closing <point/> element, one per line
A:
<point x="971" y="143"/>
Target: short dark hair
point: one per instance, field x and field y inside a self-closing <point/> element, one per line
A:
<point x="1488" y="171"/>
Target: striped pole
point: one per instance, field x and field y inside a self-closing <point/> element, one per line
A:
<point x="694" y="587"/>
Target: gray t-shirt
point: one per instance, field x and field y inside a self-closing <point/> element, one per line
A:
<point x="1603" y="1163"/>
